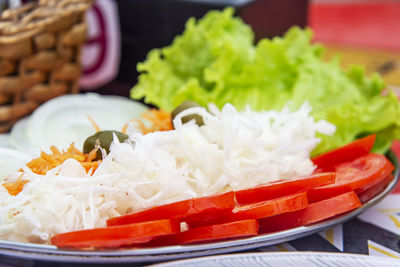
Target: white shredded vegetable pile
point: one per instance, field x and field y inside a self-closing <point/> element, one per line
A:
<point x="231" y="150"/>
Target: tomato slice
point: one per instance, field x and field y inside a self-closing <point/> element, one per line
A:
<point x="388" y="170"/>
<point x="181" y="210"/>
<point x="353" y="175"/>
<point x="283" y="187"/>
<point x="257" y="210"/>
<point x="345" y="153"/>
<point x="216" y="232"/>
<point x="116" y="236"/>
<point x="315" y="212"/>
<point x="370" y="193"/>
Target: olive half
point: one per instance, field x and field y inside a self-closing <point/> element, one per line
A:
<point x="105" y="139"/>
<point x="186" y="105"/>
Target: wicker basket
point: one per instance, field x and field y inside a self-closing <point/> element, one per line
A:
<point x="40" y="47"/>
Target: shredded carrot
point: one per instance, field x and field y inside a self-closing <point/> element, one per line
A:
<point x="48" y="161"/>
<point x="160" y="121"/>
<point x="92" y="155"/>
<point x="15" y="187"/>
<point x="94" y="124"/>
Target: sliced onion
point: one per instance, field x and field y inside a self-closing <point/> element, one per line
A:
<point x="5" y="140"/>
<point x="64" y="119"/>
<point x="20" y="140"/>
<point x="11" y="160"/>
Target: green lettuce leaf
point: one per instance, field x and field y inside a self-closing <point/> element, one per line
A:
<point x="215" y="60"/>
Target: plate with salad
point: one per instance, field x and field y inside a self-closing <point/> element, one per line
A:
<point x="257" y="145"/>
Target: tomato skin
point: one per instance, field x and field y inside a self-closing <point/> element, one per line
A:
<point x="271" y="207"/>
<point x="315" y="212"/>
<point x="283" y="187"/>
<point x="351" y="151"/>
<point x="370" y="193"/>
<point x="257" y="210"/>
<point x="116" y="236"/>
<point x="216" y="232"/>
<point x="387" y="172"/>
<point x="208" y="233"/>
<point x="355" y="175"/>
<point x="180" y="210"/>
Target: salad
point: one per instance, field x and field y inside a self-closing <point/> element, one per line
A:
<point x="276" y="138"/>
<point x="232" y="176"/>
<point x="215" y="61"/>
<point x="231" y="151"/>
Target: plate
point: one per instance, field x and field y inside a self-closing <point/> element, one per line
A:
<point x="301" y="259"/>
<point x="51" y="253"/>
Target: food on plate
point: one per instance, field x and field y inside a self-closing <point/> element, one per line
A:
<point x="221" y="217"/>
<point x="345" y="153"/>
<point x="286" y="140"/>
<point x="69" y="119"/>
<point x="49" y="161"/>
<point x="267" y="191"/>
<point x="193" y="183"/>
<point x="231" y="151"/>
<point x="186" y="105"/>
<point x="11" y="160"/>
<point x="358" y="175"/>
<point x="256" y="210"/>
<point x="117" y="236"/>
<point x="181" y="211"/>
<point x="159" y="120"/>
<point x="102" y="139"/>
<point x="215" y="61"/>
<point x="314" y="212"/>
<point x="217" y="232"/>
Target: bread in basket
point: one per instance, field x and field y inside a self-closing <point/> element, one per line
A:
<point x="40" y="47"/>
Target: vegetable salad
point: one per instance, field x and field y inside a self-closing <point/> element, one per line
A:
<point x="215" y="61"/>
<point x="232" y="150"/>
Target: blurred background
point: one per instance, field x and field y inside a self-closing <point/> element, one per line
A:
<point x="121" y="33"/>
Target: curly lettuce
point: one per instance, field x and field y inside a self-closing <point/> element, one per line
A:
<point x="215" y="60"/>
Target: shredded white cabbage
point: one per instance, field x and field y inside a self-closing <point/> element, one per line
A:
<point x="232" y="150"/>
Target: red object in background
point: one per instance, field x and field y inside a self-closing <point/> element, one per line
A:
<point x="371" y="23"/>
<point x="396" y="149"/>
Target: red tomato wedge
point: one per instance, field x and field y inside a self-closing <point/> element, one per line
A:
<point x="116" y="236"/>
<point x="257" y="210"/>
<point x="181" y="210"/>
<point x="370" y="193"/>
<point x="315" y="212"/>
<point x="216" y="232"/>
<point x="283" y="187"/>
<point x="358" y="148"/>
<point x="354" y="175"/>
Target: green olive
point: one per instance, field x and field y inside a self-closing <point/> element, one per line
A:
<point x="105" y="139"/>
<point x="186" y="105"/>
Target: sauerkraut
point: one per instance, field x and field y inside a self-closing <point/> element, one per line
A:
<point x="232" y="150"/>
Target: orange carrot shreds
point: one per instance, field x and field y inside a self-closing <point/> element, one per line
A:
<point x="92" y="154"/>
<point x="15" y="187"/>
<point x="48" y="161"/>
<point x="90" y="165"/>
<point x="160" y="121"/>
<point x="55" y="150"/>
<point x="94" y="124"/>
